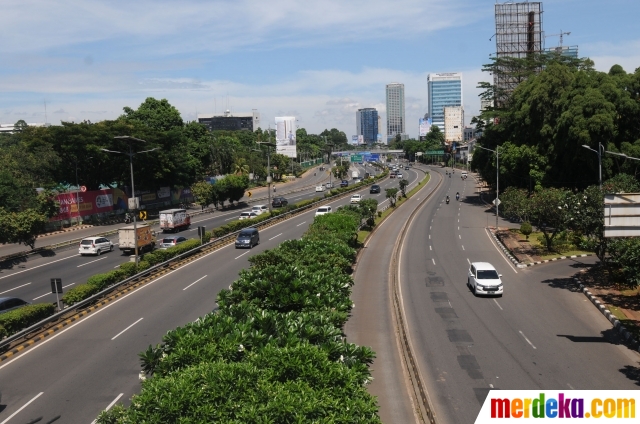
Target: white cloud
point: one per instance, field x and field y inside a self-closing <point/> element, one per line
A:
<point x="60" y="111"/>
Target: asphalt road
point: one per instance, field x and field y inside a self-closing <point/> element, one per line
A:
<point x="82" y="369"/>
<point x="541" y="334"/>
<point x="30" y="279"/>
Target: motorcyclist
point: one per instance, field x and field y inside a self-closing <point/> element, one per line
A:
<point x="447" y="199"/>
<point x="274" y="188"/>
<point x="457" y="196"/>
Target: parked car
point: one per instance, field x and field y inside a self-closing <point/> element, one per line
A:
<point x="483" y="279"/>
<point x="279" y="202"/>
<point x="10" y="303"/>
<point x="170" y="241"/>
<point x="344" y="183"/>
<point x="320" y="188"/>
<point x="323" y="210"/>
<point x="374" y="189"/>
<point x="247" y="215"/>
<point x="247" y="238"/>
<point x="94" y="246"/>
<point x="259" y="209"/>
<point x="329" y="185"/>
<point x="356" y="198"/>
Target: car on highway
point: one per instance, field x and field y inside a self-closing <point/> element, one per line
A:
<point x="406" y="168"/>
<point x="344" y="183"/>
<point x="393" y="175"/>
<point x="10" y="303"/>
<point x="330" y="185"/>
<point x="279" y="202"/>
<point x="357" y="180"/>
<point x="170" y="241"/>
<point x="95" y="246"/>
<point x="247" y="215"/>
<point x="356" y="198"/>
<point x="259" y="209"/>
<point x="374" y="189"/>
<point x="320" y="188"/>
<point x="322" y="210"/>
<point x="247" y="238"/>
<point x="399" y="175"/>
<point x="483" y="279"/>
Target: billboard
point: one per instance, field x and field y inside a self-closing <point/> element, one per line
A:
<point x="622" y="215"/>
<point x="89" y="203"/>
<point x="354" y="139"/>
<point x="425" y="127"/>
<point x="286" y="136"/>
<point x="361" y="139"/>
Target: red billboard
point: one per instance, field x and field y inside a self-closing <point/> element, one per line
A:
<point x="90" y="202"/>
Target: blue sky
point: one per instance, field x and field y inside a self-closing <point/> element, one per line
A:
<point x="317" y="60"/>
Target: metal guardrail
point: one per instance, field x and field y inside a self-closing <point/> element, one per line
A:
<point x="213" y="244"/>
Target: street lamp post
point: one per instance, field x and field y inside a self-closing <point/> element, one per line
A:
<point x="131" y="153"/>
<point x="269" y="145"/>
<point x="497" y="152"/>
<point x="599" y="153"/>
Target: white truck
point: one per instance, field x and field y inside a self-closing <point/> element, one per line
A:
<point x="355" y="174"/>
<point x="146" y="238"/>
<point x="173" y="220"/>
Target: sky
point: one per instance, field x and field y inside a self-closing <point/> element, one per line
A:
<point x="319" y="61"/>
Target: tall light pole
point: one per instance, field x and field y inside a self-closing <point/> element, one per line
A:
<point x="497" y="152"/>
<point x="269" y="144"/>
<point x="599" y="153"/>
<point x="131" y="153"/>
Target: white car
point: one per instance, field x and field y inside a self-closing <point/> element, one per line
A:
<point x="330" y="185"/>
<point x="483" y="279"/>
<point x="320" y="188"/>
<point x="356" y="198"/>
<point x="400" y="176"/>
<point x="247" y="215"/>
<point x="94" y="246"/>
<point x="259" y="209"/>
<point x="322" y="210"/>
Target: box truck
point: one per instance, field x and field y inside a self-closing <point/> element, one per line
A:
<point x="146" y="239"/>
<point x="173" y="220"/>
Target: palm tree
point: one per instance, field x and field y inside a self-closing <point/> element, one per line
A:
<point x="241" y="167"/>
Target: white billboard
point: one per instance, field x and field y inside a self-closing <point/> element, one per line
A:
<point x="622" y="215"/>
<point x="354" y="139"/>
<point x="361" y="139"/>
<point x="425" y="126"/>
<point x="286" y="136"/>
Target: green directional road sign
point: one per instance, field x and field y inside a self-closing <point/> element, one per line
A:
<point x="434" y="152"/>
<point x="356" y="158"/>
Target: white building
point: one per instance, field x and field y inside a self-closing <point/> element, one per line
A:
<point x="485" y="104"/>
<point x="395" y="110"/>
<point x="453" y="124"/>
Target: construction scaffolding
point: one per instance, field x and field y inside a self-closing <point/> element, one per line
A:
<point x="518" y="35"/>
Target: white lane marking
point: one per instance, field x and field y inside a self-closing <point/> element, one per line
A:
<point x="433" y="260"/>
<point x="463" y="247"/>
<point x="570" y="386"/>
<point x="491" y="385"/>
<point x="91" y="262"/>
<point x="430" y="248"/>
<point x="459" y="220"/>
<point x="117" y="266"/>
<point x="525" y="337"/>
<point x="195" y="229"/>
<point x="458" y="228"/>
<point x="275" y="236"/>
<point x="228" y="219"/>
<point x="194" y="283"/>
<point x="429" y="236"/>
<point x="244" y="253"/>
<point x="459" y="236"/>
<point x="429" y="226"/>
<point x="469" y="261"/>
<point x="500" y="251"/>
<point x="7" y="291"/>
<point x="126" y="329"/>
<point x="46" y="294"/>
<point x="110" y="405"/>
<point x="303" y="222"/>
<point x="23" y="406"/>
<point x="37" y="266"/>
<point x="500" y="306"/>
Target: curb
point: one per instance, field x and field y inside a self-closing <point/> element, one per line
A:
<point x="626" y="334"/>
<point x="518" y="264"/>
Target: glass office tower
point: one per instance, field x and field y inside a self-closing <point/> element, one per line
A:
<point x="444" y="90"/>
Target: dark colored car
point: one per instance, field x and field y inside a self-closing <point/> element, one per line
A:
<point x="374" y="189"/>
<point x="344" y="183"/>
<point x="279" y="202"/>
<point x="247" y="238"/>
<point x="10" y="303"/>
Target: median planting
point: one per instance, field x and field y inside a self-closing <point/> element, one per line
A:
<point x="13" y="321"/>
<point x="274" y="351"/>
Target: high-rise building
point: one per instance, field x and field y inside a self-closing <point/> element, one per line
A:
<point x="231" y="121"/>
<point x="445" y="90"/>
<point x="367" y="124"/>
<point x="395" y="110"/>
<point x="568" y="51"/>
<point x="453" y="124"/>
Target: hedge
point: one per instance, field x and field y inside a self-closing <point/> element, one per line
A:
<point x="273" y="351"/>
<point x="18" y="319"/>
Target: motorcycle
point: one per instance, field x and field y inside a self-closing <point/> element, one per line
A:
<point x="457" y="197"/>
<point x="447" y="200"/>
<point x="127" y="218"/>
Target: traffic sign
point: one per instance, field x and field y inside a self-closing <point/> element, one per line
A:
<point x="435" y="152"/>
<point x="83" y="188"/>
<point x="356" y="158"/>
<point x="142" y="214"/>
<point x="248" y="194"/>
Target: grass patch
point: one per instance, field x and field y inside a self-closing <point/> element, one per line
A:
<point x="539" y="247"/>
<point x="630" y="325"/>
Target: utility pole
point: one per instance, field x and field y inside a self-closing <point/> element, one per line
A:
<point x="269" y="144"/>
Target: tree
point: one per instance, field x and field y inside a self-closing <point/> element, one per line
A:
<point x="403" y="186"/>
<point x="241" y="167"/>
<point x="203" y="192"/>
<point x="391" y="194"/>
<point x="514" y="203"/>
<point x="341" y="171"/>
<point x="551" y="212"/>
<point x="156" y="114"/>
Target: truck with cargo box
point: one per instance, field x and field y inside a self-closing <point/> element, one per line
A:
<point x="173" y="220"/>
<point x="146" y="239"/>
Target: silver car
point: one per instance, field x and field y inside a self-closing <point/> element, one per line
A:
<point x="171" y="241"/>
<point x="94" y="246"/>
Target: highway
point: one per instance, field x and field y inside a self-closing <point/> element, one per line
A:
<point x="30" y="280"/>
<point x="82" y="369"/>
<point x="541" y="334"/>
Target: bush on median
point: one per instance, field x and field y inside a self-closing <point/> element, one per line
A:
<point x="21" y="318"/>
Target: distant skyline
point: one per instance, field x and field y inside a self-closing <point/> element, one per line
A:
<point x="320" y="61"/>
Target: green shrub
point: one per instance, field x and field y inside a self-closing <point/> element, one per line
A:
<point x="79" y="293"/>
<point x="21" y="318"/>
<point x="526" y="229"/>
<point x="3" y="332"/>
<point x="128" y="268"/>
